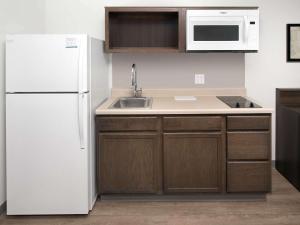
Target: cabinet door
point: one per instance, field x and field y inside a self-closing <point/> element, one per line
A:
<point x="128" y="162"/>
<point x="193" y="162"/>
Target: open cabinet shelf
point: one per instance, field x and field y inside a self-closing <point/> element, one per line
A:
<point x="143" y="29"/>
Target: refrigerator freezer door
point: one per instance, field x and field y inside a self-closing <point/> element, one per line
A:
<point x="46" y="63"/>
<point x="47" y="171"/>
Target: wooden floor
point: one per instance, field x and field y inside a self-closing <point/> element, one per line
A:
<point x="282" y="207"/>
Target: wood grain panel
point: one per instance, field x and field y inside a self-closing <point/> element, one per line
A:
<point x="248" y="176"/>
<point x="288" y="97"/>
<point x="182" y="30"/>
<point x="192" y="162"/>
<point x="129" y="163"/>
<point x="248" y="122"/>
<point x="248" y="145"/>
<point x="135" y="29"/>
<point x="126" y="123"/>
<point x="192" y="123"/>
<point x="288" y="134"/>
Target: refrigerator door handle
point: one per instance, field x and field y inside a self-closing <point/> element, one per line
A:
<point x="81" y="100"/>
<point x="80" y="61"/>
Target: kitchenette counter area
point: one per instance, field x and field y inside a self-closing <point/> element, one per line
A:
<point x="178" y="102"/>
<point x="184" y="146"/>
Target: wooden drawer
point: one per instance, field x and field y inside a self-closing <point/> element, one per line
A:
<point x="193" y="123"/>
<point x="248" y="122"/>
<point x="248" y="176"/>
<point x="127" y="123"/>
<point x="248" y="145"/>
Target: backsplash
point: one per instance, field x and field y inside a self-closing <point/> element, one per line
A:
<point x="170" y="70"/>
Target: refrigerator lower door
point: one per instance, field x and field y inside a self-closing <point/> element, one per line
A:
<point x="47" y="166"/>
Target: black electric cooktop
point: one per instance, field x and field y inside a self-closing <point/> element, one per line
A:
<point x="238" y="102"/>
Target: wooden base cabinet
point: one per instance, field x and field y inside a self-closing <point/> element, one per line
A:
<point x="192" y="162"/>
<point x="177" y="154"/>
<point x="249" y="154"/>
<point x="129" y="162"/>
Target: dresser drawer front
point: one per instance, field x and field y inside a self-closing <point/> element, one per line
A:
<point x="127" y="123"/>
<point x="248" y="122"/>
<point x="193" y="123"/>
<point x="248" y="145"/>
<point x="248" y="177"/>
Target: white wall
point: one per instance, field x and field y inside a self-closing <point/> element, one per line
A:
<point x="268" y="69"/>
<point x="16" y="16"/>
<point x="177" y="70"/>
<point x="75" y="16"/>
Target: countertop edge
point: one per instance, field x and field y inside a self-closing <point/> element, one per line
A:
<point x="217" y="108"/>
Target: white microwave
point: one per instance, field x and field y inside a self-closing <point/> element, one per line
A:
<point x="222" y="30"/>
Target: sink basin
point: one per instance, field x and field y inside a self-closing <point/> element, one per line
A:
<point x="132" y="102"/>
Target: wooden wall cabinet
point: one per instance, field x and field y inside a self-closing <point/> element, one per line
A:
<point x="144" y="29"/>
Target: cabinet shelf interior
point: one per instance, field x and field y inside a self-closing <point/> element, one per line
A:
<point x="143" y="30"/>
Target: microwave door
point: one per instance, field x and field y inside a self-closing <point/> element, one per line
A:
<point x="216" y="33"/>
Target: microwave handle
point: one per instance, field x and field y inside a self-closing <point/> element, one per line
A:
<point x="246" y="32"/>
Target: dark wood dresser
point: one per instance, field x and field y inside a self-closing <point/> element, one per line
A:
<point x="288" y="134"/>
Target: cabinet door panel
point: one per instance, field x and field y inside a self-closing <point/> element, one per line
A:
<point x="193" y="162"/>
<point x="128" y="162"/>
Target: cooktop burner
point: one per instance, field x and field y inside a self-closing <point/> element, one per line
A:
<point x="238" y="102"/>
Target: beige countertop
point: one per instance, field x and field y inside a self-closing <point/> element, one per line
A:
<point x="168" y="105"/>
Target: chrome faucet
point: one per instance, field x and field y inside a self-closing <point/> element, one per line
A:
<point x="136" y="92"/>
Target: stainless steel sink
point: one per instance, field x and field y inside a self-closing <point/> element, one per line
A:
<point x="132" y="102"/>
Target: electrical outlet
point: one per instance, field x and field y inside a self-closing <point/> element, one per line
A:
<point x="199" y="79"/>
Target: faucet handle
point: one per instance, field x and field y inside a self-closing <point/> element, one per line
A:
<point x="139" y="92"/>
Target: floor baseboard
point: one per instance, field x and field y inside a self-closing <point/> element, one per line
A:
<point x="2" y="208"/>
<point x="185" y="198"/>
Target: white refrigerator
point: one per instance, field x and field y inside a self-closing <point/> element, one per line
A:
<point x="53" y="85"/>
